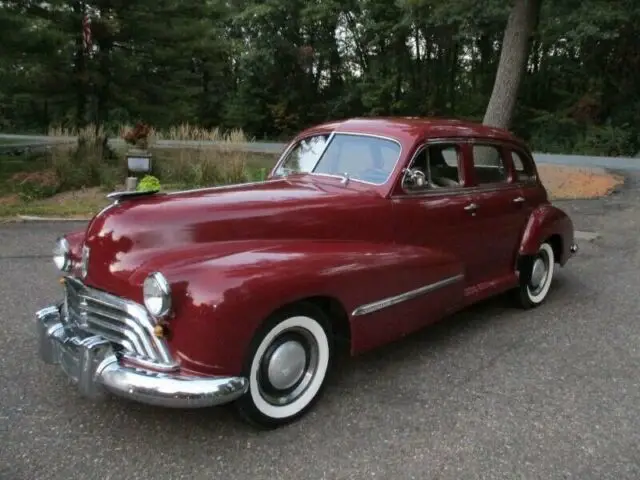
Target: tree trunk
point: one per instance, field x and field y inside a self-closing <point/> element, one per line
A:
<point x="513" y="58"/>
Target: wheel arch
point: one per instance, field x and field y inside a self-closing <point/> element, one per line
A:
<point x="547" y="224"/>
<point x="333" y="308"/>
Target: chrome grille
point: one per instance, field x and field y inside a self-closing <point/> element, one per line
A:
<point x="122" y="322"/>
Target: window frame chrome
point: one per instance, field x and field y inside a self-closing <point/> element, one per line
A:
<point x="515" y="184"/>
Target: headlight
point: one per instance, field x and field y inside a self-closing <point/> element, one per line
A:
<point x="157" y="294"/>
<point x="62" y="255"/>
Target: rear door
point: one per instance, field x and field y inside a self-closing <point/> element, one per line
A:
<point x="526" y="176"/>
<point x="501" y="208"/>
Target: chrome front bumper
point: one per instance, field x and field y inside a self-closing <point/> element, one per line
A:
<point x="91" y="362"/>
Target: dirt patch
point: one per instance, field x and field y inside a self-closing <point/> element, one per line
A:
<point x="11" y="199"/>
<point x="89" y="195"/>
<point x="573" y="182"/>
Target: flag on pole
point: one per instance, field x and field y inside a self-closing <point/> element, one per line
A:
<point x="86" y="32"/>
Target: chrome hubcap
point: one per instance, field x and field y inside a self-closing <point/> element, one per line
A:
<point x="538" y="272"/>
<point x="286" y="365"/>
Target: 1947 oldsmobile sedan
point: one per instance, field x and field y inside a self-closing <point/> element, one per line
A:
<point x="366" y="230"/>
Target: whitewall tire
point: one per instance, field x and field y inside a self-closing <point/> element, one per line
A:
<point x="287" y="366"/>
<point x="536" y="283"/>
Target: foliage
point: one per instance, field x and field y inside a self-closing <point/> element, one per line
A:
<point x="148" y="183"/>
<point x="271" y="68"/>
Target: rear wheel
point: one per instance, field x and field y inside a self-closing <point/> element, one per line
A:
<point x="536" y="278"/>
<point x="287" y="366"/>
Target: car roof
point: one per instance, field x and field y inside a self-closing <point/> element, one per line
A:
<point x="410" y="128"/>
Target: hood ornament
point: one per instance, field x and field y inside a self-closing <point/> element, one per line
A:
<point x="128" y="195"/>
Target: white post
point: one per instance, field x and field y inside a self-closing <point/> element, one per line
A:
<point x="132" y="183"/>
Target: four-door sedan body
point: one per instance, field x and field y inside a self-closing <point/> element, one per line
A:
<point x="366" y="230"/>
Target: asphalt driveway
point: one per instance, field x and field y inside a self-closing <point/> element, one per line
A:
<point x="493" y="392"/>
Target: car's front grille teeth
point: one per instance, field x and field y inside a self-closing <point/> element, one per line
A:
<point x="120" y="321"/>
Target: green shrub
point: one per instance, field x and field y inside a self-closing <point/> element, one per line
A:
<point x="148" y="183"/>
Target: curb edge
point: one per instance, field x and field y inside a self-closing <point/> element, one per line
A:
<point x="34" y="218"/>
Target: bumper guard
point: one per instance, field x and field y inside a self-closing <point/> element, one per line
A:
<point x="91" y="363"/>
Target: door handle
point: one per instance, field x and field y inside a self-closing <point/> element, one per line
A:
<point x="472" y="207"/>
<point x="518" y="200"/>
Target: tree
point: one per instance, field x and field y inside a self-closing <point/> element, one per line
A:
<point x="513" y="58"/>
<point x="274" y="67"/>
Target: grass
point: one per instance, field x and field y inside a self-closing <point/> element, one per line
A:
<point x="88" y="172"/>
<point x="79" y="204"/>
<point x="184" y="132"/>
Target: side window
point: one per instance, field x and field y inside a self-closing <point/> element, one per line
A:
<point x="436" y="166"/>
<point x="443" y="166"/>
<point x="522" y="166"/>
<point x="304" y="155"/>
<point x="488" y="165"/>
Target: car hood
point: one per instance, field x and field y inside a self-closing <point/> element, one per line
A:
<point x="127" y="236"/>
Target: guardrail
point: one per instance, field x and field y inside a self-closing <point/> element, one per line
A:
<point x="38" y="142"/>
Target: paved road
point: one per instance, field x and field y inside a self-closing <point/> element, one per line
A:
<point x="492" y="393"/>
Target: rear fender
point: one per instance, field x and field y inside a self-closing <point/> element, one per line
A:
<point x="221" y="301"/>
<point x="547" y="221"/>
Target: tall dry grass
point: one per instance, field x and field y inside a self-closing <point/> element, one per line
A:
<point x="87" y="162"/>
<point x="201" y="165"/>
<point x="194" y="165"/>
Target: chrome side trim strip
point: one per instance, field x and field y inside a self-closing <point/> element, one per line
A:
<point x="403" y="297"/>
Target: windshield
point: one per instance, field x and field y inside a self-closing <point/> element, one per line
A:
<point x="360" y="157"/>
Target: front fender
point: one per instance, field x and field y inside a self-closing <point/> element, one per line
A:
<point x="220" y="301"/>
<point x="544" y="222"/>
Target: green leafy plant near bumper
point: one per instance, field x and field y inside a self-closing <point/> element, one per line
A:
<point x="148" y="182"/>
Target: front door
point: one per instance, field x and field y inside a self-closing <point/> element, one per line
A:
<point x="435" y="214"/>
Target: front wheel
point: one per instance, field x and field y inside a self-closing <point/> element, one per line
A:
<point x="287" y="366"/>
<point x="536" y="280"/>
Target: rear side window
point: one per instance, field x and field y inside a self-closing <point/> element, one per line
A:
<point x="522" y="167"/>
<point x="488" y="165"/>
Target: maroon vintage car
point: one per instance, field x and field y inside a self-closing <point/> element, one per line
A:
<point x="366" y="230"/>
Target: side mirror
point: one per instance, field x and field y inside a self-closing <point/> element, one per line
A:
<point x="413" y="178"/>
